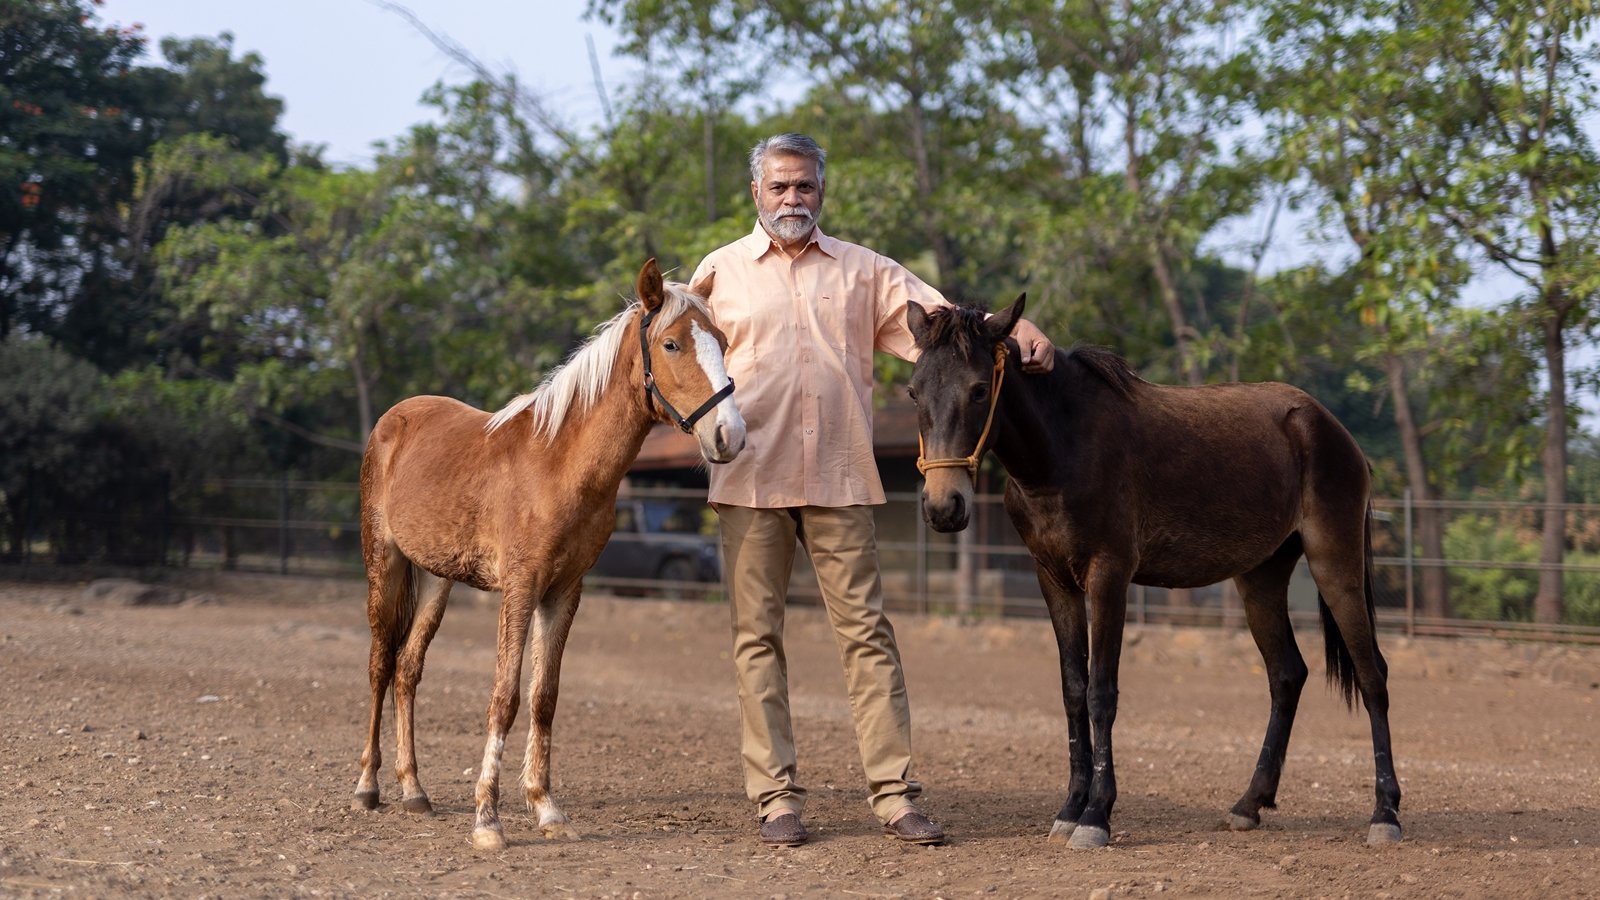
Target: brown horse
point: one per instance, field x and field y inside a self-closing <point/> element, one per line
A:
<point x="1115" y="480"/>
<point x="522" y="502"/>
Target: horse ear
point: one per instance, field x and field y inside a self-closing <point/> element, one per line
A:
<point x="652" y="287"/>
<point x="917" y="321"/>
<point x="703" y="287"/>
<point x="1001" y="323"/>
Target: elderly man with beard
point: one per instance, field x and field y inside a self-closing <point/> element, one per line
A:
<point x="803" y="313"/>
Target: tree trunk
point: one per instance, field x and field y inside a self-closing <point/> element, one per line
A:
<point x="363" y="397"/>
<point x="1182" y="334"/>
<point x="944" y="252"/>
<point x="710" y="140"/>
<point x="1548" y="603"/>
<point x="1430" y="519"/>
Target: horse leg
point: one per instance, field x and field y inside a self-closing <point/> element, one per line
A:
<point x="409" y="673"/>
<point x="552" y="620"/>
<point x="1108" y="590"/>
<point x="389" y="616"/>
<point x="1265" y="591"/>
<point x="516" y="607"/>
<point x="1342" y="578"/>
<point x="1067" y="615"/>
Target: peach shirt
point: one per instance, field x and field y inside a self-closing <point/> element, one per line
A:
<point x="801" y="334"/>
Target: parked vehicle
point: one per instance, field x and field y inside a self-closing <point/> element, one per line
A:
<point x="670" y="541"/>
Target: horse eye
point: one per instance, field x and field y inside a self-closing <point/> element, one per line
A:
<point x="912" y="393"/>
<point x="980" y="393"/>
<point x="669" y="345"/>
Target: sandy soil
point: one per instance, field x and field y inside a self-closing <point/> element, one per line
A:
<point x="210" y="749"/>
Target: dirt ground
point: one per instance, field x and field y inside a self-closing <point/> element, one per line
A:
<point x="209" y="749"/>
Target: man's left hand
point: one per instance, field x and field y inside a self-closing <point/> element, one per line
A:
<point x="1038" y="354"/>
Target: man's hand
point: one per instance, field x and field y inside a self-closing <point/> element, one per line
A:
<point x="1038" y="354"/>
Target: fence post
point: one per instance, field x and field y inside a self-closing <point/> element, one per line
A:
<point x="283" y="525"/>
<point x="964" y="572"/>
<point x="1410" y="564"/>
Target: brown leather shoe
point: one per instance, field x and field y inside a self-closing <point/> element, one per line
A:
<point x="783" y="831"/>
<point x="915" y="828"/>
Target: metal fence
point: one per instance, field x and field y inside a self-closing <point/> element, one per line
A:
<point x="310" y="528"/>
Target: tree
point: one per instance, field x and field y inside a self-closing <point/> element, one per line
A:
<point x="708" y="47"/>
<point x="1143" y="106"/>
<point x="1514" y="173"/>
<point x="71" y="125"/>
<point x="355" y="288"/>
<point x="76" y="116"/>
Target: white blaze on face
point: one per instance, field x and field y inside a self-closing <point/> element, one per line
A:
<point x="709" y="353"/>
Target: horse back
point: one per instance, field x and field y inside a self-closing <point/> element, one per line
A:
<point x="1219" y="476"/>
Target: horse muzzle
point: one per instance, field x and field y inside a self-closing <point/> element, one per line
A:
<point x="721" y="437"/>
<point x="946" y="500"/>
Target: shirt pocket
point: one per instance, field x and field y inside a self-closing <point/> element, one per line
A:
<point x="833" y="321"/>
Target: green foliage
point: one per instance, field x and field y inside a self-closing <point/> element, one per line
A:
<point x="1501" y="592"/>
<point x="258" y="309"/>
<point x="70" y="127"/>
<point x="68" y="469"/>
<point x="1495" y="593"/>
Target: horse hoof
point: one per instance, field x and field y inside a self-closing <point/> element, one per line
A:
<point x="1088" y="837"/>
<point x="1060" y="832"/>
<point x="559" y="831"/>
<point x="365" y="800"/>
<point x="1237" y="822"/>
<point x="418" y="804"/>
<point x="1383" y="835"/>
<point x="488" y="839"/>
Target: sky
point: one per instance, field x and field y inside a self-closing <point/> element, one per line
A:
<point x="351" y="73"/>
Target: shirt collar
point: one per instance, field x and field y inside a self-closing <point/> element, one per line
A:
<point x="759" y="242"/>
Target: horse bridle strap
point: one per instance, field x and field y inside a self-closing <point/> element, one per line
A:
<point x="970" y="463"/>
<point x="653" y="395"/>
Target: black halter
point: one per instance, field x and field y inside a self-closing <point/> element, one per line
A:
<point x="652" y="394"/>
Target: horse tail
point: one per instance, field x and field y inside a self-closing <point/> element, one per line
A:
<point x="397" y="609"/>
<point x="1341" y="663"/>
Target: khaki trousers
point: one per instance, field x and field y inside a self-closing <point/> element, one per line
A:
<point x="758" y="547"/>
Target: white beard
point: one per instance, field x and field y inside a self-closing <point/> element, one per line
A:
<point x="789" y="223"/>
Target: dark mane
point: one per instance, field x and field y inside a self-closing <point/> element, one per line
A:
<point x="958" y="326"/>
<point x="961" y="327"/>
<point x="1111" y="368"/>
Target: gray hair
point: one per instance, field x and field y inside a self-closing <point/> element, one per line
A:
<point x="790" y="143"/>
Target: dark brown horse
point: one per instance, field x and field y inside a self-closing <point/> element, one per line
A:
<point x="522" y="502"/>
<point x="1115" y="480"/>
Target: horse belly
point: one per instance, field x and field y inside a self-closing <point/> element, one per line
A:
<point x="1194" y="555"/>
<point x="469" y="563"/>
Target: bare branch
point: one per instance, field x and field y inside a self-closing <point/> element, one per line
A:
<point x="531" y="106"/>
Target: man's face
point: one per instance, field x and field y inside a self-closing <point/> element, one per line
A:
<point x="788" y="197"/>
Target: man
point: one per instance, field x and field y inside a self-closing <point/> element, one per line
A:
<point x="803" y="313"/>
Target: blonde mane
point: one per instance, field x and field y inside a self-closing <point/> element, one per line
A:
<point x="576" y="384"/>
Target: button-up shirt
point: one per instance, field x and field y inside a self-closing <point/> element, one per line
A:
<point x="801" y="334"/>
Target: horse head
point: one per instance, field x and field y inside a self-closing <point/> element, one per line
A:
<point x="956" y="386"/>
<point x="682" y="356"/>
